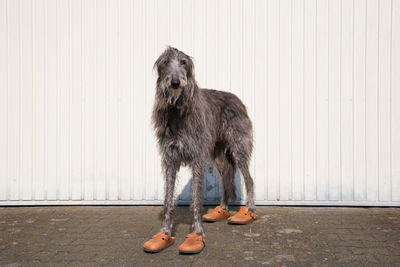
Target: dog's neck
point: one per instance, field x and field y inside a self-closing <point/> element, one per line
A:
<point x="175" y="119"/>
<point x="179" y="104"/>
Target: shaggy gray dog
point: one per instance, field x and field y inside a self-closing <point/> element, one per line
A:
<point x="194" y="126"/>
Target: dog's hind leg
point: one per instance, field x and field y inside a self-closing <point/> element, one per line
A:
<point x="241" y="157"/>
<point x="246" y="214"/>
<point x="248" y="180"/>
<point x="226" y="170"/>
<point x="240" y="147"/>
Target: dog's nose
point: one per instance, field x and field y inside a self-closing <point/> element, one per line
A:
<point x="175" y="83"/>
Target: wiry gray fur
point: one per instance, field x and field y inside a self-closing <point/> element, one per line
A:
<point x="195" y="126"/>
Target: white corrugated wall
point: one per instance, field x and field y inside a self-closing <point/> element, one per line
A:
<point x="321" y="80"/>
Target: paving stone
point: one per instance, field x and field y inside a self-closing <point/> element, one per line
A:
<point x="283" y="236"/>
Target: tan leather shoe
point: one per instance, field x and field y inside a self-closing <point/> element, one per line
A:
<point x="193" y="244"/>
<point x="243" y="216"/>
<point x="158" y="242"/>
<point x="217" y="214"/>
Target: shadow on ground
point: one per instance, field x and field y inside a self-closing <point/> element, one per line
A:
<point x="212" y="193"/>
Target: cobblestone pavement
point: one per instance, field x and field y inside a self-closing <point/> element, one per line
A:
<point x="283" y="236"/>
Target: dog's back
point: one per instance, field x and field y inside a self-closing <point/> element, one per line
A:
<point x="230" y="118"/>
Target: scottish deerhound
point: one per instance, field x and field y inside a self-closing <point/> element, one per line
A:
<point x="195" y="126"/>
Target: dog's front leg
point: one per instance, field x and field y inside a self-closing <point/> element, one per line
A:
<point x="194" y="242"/>
<point x="164" y="239"/>
<point x="197" y="198"/>
<point x="170" y="170"/>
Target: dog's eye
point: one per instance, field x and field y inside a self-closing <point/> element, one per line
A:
<point x="183" y="62"/>
<point x="165" y="62"/>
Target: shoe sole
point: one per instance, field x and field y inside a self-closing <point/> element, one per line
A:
<point x="211" y="221"/>
<point x="190" y="252"/>
<point x="156" y="251"/>
<point x="152" y="251"/>
<point x="239" y="223"/>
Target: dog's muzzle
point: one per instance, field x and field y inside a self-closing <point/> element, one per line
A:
<point x="175" y="82"/>
<point x="174" y="85"/>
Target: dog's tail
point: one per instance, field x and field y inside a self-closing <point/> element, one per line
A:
<point x="228" y="180"/>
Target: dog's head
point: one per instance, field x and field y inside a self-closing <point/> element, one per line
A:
<point x="175" y="74"/>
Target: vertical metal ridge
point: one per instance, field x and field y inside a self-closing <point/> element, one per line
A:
<point x="329" y="121"/>
<point x="33" y="103"/>
<point x="95" y="193"/>
<point x="119" y="100"/>
<point x="132" y="114"/>
<point x="57" y="109"/>
<point x="241" y="51"/>
<point x="303" y="100"/>
<point x="217" y="185"/>
<point x="45" y="163"/>
<point x="69" y="100"/>
<point x="315" y="100"/>
<point x="156" y="191"/>
<point x="365" y="106"/>
<point x="254" y="95"/>
<point x="279" y="100"/>
<point x="340" y="102"/>
<point x="7" y="196"/>
<point x="107" y="98"/>
<point x="83" y="103"/>
<point x="291" y="102"/>
<point x="230" y="43"/>
<point x="352" y="96"/>
<point x="20" y="101"/>
<point x="205" y="72"/>
<point x="144" y="151"/>
<point x="391" y="100"/>
<point x="377" y="100"/>
<point x="266" y="106"/>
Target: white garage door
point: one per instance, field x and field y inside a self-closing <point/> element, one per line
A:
<point x="321" y="80"/>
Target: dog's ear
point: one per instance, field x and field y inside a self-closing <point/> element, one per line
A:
<point x="163" y="59"/>
<point x="156" y="65"/>
<point x="190" y="68"/>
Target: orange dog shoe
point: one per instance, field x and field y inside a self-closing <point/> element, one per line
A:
<point x="217" y="214"/>
<point x="243" y="216"/>
<point x="159" y="242"/>
<point x="193" y="244"/>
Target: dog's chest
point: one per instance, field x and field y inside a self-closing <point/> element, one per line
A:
<point x="179" y="147"/>
<point x="175" y="122"/>
<point x="178" y="141"/>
